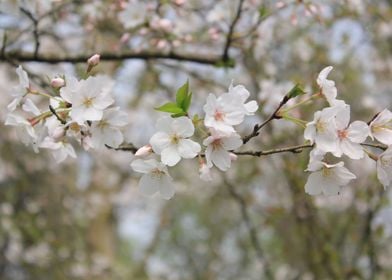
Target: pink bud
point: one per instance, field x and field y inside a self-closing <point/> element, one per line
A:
<point x="94" y="60"/>
<point x="144" y="151"/>
<point x="179" y="2"/>
<point x="233" y="157"/>
<point x="57" y="82"/>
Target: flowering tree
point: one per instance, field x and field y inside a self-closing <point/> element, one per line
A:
<point x="233" y="93"/>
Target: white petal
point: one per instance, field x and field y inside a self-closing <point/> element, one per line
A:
<point x="166" y="188"/>
<point x="358" y="131"/>
<point x="384" y="135"/>
<point x="149" y="184"/>
<point x="160" y="141"/>
<point x="323" y="75"/>
<point x="251" y="107"/>
<point x="310" y="132"/>
<point x="342" y="175"/>
<point x="221" y="159"/>
<point x="170" y="155"/>
<point x="188" y="148"/>
<point x="330" y="187"/>
<point x="343" y="117"/>
<point x="314" y="183"/>
<point x="232" y="142"/>
<point x="352" y="150"/>
<point x="144" y="166"/>
<point x="183" y="127"/>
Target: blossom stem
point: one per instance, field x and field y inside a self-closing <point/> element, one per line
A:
<point x="306" y="100"/>
<point x="300" y="122"/>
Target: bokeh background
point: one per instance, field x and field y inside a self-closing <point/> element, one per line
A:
<point x="85" y="219"/>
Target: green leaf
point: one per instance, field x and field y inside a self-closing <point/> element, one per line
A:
<point x="295" y="91"/>
<point x="182" y="94"/>
<point x="178" y="115"/>
<point x="170" y="107"/>
<point x="187" y="102"/>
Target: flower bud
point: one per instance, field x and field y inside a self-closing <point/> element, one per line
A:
<point x="144" y="151"/>
<point x="233" y="156"/>
<point x="57" y="82"/>
<point x="94" y="60"/>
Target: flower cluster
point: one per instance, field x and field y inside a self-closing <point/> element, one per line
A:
<point x="77" y="111"/>
<point x="172" y="140"/>
<point x="81" y="111"/>
<point x="331" y="132"/>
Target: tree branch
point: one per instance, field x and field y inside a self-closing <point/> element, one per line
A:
<point x="145" y="55"/>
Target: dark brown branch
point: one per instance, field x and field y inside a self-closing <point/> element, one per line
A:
<point x="292" y="149"/>
<point x="250" y="227"/>
<point x="35" y="22"/>
<point x="274" y="115"/>
<point x="126" y="148"/>
<point x="229" y="38"/>
<point x="146" y="55"/>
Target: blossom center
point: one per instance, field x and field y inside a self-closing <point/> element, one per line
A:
<point x="217" y="144"/>
<point x="342" y="134"/>
<point x="320" y="126"/>
<point x="103" y="124"/>
<point x="175" y="139"/>
<point x="88" y="102"/>
<point x="326" y="171"/>
<point x="218" y="116"/>
<point x="156" y="173"/>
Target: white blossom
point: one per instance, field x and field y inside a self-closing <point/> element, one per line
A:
<point x="384" y="167"/>
<point x="322" y="130"/>
<point x="107" y="130"/>
<point x="218" y="149"/>
<point x="171" y="141"/>
<point x="156" y="178"/>
<point x="19" y="91"/>
<point x="327" y="178"/>
<point x="381" y="127"/>
<point x="61" y="149"/>
<point x="327" y="87"/>
<point x="88" y="97"/>
<point x="229" y="109"/>
<point x="349" y="136"/>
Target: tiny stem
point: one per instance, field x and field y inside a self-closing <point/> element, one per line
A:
<point x="300" y="122"/>
<point x="371" y="155"/>
<point x="316" y="95"/>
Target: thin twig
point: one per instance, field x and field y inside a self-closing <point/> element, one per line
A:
<point x="126" y="148"/>
<point x="35" y="22"/>
<point x="292" y="149"/>
<point x="56" y="115"/>
<point x="229" y="38"/>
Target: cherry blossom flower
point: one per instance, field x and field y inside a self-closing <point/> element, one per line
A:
<point x="381" y="127"/>
<point x="107" y="130"/>
<point x="327" y="178"/>
<point x="229" y="109"/>
<point x="88" y="97"/>
<point x="171" y="140"/>
<point x="384" y="167"/>
<point x="218" y="147"/>
<point x="327" y="87"/>
<point x="156" y="178"/>
<point x="349" y="136"/>
<point x="61" y="149"/>
<point x="322" y="130"/>
<point x="20" y="90"/>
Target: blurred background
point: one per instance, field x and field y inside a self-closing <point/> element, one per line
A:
<point x="85" y="218"/>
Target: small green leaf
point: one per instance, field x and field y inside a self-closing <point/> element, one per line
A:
<point x="187" y="102"/>
<point x="295" y="91"/>
<point x="170" y="107"/>
<point x="182" y="94"/>
<point x="178" y="115"/>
